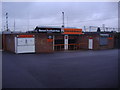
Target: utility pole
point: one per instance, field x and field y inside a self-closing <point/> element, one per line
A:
<point x="84" y="28"/>
<point x="65" y="36"/>
<point x="4" y="27"/>
<point x="63" y="19"/>
<point x="104" y="27"/>
<point x="62" y="22"/>
<point x="90" y="28"/>
<point x="28" y="23"/>
<point x="14" y="24"/>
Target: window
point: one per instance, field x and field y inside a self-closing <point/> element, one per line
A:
<point x="59" y="41"/>
<point x="103" y="40"/>
<point x="110" y="35"/>
<point x="71" y="41"/>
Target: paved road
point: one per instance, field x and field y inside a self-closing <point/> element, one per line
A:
<point x="71" y="69"/>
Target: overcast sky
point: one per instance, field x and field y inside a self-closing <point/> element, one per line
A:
<point x="77" y="14"/>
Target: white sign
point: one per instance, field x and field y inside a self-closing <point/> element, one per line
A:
<point x="49" y="30"/>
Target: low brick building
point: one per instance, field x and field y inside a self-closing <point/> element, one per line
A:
<point x="97" y="41"/>
<point x="40" y="42"/>
<point x="46" y="40"/>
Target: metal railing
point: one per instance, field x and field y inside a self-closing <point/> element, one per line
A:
<point x="60" y="47"/>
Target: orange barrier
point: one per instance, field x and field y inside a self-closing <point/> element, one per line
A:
<point x="61" y="46"/>
<point x="68" y="44"/>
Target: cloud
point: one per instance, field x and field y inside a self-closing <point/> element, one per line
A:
<point x="77" y="14"/>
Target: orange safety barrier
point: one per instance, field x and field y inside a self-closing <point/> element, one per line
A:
<point x="68" y="44"/>
<point x="58" y="44"/>
<point x="61" y="46"/>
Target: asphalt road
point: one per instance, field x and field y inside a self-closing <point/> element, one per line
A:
<point x="70" y="69"/>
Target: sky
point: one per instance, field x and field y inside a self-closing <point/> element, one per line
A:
<point x="27" y="15"/>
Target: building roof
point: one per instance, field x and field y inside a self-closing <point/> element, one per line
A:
<point x="106" y="32"/>
<point x="55" y="27"/>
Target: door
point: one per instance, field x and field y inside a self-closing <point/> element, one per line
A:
<point x="30" y="41"/>
<point x="21" y="41"/>
<point x="25" y="49"/>
<point x="25" y="45"/>
<point x="66" y="42"/>
<point x="90" y="46"/>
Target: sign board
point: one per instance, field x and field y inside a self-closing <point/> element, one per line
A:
<point x="103" y="41"/>
<point x="49" y="31"/>
<point x="50" y="38"/>
<point x="107" y="35"/>
<point x="72" y="31"/>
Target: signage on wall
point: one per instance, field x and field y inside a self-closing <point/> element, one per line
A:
<point x="49" y="31"/>
<point x="50" y="38"/>
<point x="110" y="38"/>
<point x="72" y="31"/>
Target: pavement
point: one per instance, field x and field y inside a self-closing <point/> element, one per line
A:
<point x="70" y="69"/>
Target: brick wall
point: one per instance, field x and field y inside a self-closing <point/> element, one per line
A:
<point x="42" y="45"/>
<point x="83" y="41"/>
<point x="9" y="43"/>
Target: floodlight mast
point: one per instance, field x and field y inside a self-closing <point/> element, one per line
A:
<point x="14" y="24"/>
<point x="63" y="18"/>
<point x="7" y="21"/>
<point x="62" y="29"/>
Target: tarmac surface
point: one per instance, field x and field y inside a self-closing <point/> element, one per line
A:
<point x="68" y="69"/>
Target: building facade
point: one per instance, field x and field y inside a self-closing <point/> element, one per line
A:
<point x="50" y="39"/>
